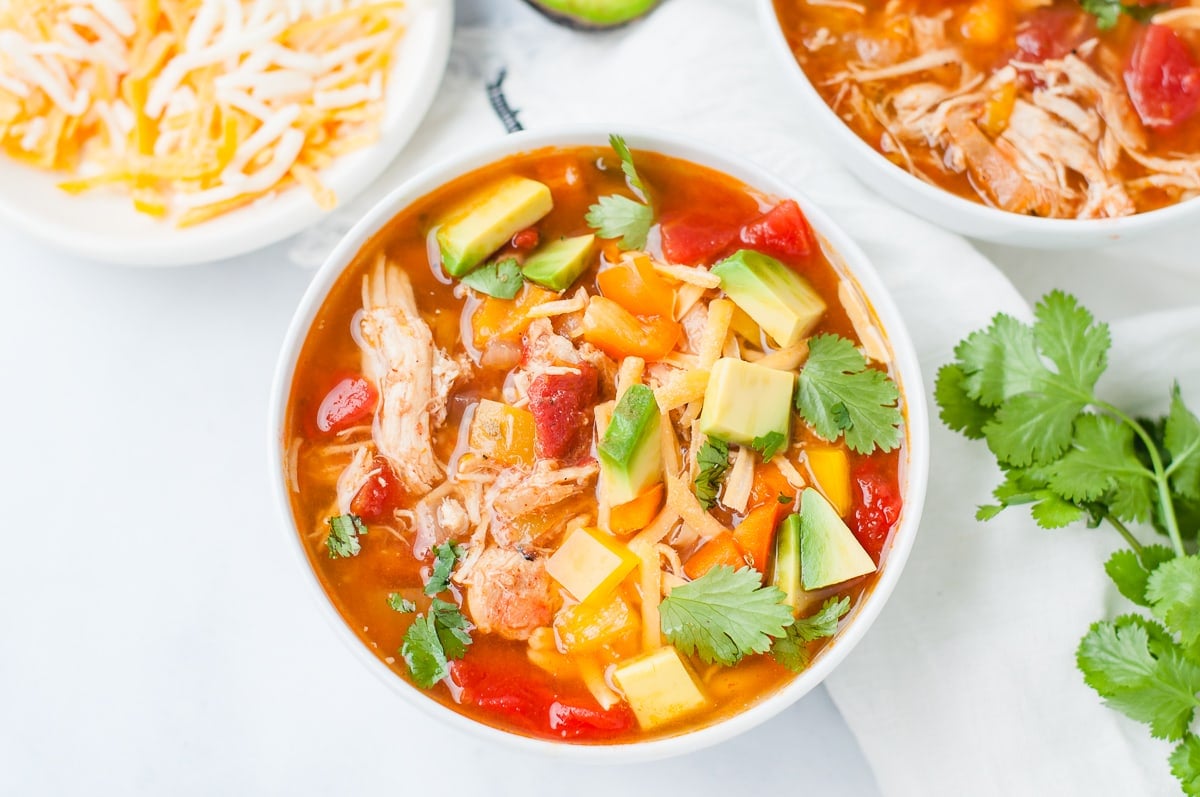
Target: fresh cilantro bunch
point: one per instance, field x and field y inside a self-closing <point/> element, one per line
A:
<point x="1029" y="391"/>
<point x="726" y="615"/>
<point x="618" y="216"/>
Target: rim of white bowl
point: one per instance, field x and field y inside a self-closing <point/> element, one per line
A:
<point x="147" y="242"/>
<point x="845" y="254"/>
<point x="996" y="225"/>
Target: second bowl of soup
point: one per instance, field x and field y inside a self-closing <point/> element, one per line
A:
<point x="602" y="446"/>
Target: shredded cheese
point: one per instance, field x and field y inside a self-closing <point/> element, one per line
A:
<point x="193" y="107"/>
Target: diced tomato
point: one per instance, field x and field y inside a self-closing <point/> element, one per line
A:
<point x="1163" y="78"/>
<point x="380" y="493"/>
<point x="1052" y="33"/>
<point x="350" y="400"/>
<point x="526" y="239"/>
<point x="694" y="239"/>
<point x="876" y="507"/>
<point x="574" y="722"/>
<point x="560" y="404"/>
<point x="782" y="231"/>
<point x="530" y="702"/>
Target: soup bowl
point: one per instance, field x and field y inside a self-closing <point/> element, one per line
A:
<point x="941" y="206"/>
<point x="852" y="269"/>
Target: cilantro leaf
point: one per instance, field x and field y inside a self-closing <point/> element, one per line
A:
<point x="1102" y="463"/>
<point x="423" y="653"/>
<point x="453" y="630"/>
<point x="1068" y="334"/>
<point x="434" y="640"/>
<point x="1054" y="512"/>
<point x="1107" y="12"/>
<point x="724" y="615"/>
<point x="958" y="410"/>
<point x="713" y="462"/>
<point x="1130" y="572"/>
<point x="769" y="445"/>
<point x="999" y="362"/>
<point x="619" y="216"/>
<point x="1033" y="427"/>
<point x="1181" y="438"/>
<point x="838" y="393"/>
<point x="501" y="279"/>
<point x="791" y="649"/>
<point x="344" y="531"/>
<point x="635" y="180"/>
<point x="445" y="555"/>
<point x="1185" y="764"/>
<point x="401" y="604"/>
<point x="1157" y="687"/>
<point x="1173" y="590"/>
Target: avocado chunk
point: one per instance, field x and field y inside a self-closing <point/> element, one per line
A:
<point x="785" y="565"/>
<point x="630" y="452"/>
<point x="744" y="401"/>
<point x="776" y="297"/>
<point x="829" y="552"/>
<point x="559" y="263"/>
<point x="593" y="14"/>
<point x="489" y="220"/>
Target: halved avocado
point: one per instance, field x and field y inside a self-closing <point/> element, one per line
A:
<point x="593" y="14"/>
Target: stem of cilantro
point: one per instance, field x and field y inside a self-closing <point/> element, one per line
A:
<point x="1160" y="477"/>
<point x="1126" y="533"/>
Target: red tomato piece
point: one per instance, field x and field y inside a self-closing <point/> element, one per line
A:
<point x="561" y="404"/>
<point x="575" y="722"/>
<point x="1052" y="33"/>
<point x="694" y="239"/>
<point x="526" y="239"/>
<point x="782" y="231"/>
<point x="350" y="400"/>
<point x="876" y="507"/>
<point x="380" y="493"/>
<point x="1163" y="79"/>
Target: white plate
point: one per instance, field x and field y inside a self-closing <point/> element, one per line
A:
<point x="102" y="225"/>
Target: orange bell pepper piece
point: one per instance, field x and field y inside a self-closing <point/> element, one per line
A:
<point x="720" y="550"/>
<point x="769" y="484"/>
<point x="636" y="515"/>
<point x="755" y="535"/>
<point x="507" y="319"/>
<point x="619" y="333"/>
<point x="636" y="286"/>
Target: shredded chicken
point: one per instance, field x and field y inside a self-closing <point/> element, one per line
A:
<point x="509" y="594"/>
<point x="518" y="492"/>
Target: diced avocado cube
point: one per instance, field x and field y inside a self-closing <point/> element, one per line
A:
<point x="776" y="297"/>
<point x="785" y="565"/>
<point x="558" y="264"/>
<point x="744" y="401"/>
<point x="630" y="452"/>
<point x="660" y="687"/>
<point x="590" y="562"/>
<point x="829" y="552"/>
<point x="488" y="220"/>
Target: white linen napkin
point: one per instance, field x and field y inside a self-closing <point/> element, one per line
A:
<point x="967" y="684"/>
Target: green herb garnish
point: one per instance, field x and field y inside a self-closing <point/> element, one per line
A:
<point x="791" y="650"/>
<point x="725" y="615"/>
<point x="617" y="216"/>
<point x="713" y="462"/>
<point x="501" y="279"/>
<point x="838" y="393"/>
<point x="399" y="603"/>
<point x="1030" y="392"/>
<point x="434" y="640"/>
<point x="344" y="531"/>
<point x="769" y="444"/>
<point x="445" y="555"/>
<point x="1107" y="12"/>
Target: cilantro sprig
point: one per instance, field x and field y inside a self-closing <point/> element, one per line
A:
<point x="1107" y="12"/>
<point x="837" y="393"/>
<point x="726" y="614"/>
<point x="1029" y="391"/>
<point x="769" y="444"/>
<point x="501" y="279"/>
<point x="713" y="462"/>
<point x="620" y="217"/>
<point x="344" y="531"/>
<point x="440" y="635"/>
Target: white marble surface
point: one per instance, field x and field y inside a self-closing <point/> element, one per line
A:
<point x="154" y="637"/>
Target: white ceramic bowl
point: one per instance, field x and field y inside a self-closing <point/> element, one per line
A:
<point x="842" y="252"/>
<point x="103" y="225"/>
<point x="942" y="207"/>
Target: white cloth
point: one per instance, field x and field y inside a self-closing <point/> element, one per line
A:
<point x="967" y="683"/>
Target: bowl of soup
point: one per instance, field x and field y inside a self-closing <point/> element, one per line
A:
<point x="1034" y="123"/>
<point x="611" y="447"/>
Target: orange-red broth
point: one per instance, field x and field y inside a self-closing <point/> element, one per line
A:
<point x="359" y="587"/>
